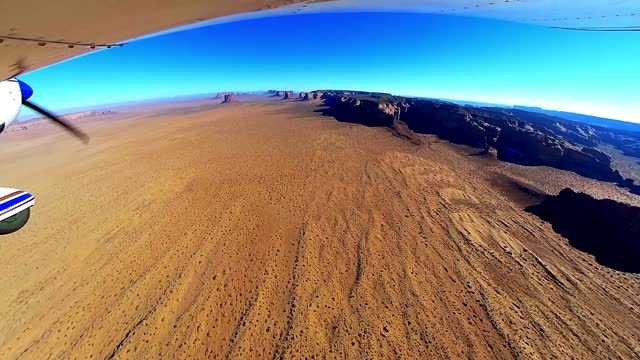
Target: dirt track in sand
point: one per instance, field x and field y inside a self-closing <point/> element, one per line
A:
<point x="265" y="230"/>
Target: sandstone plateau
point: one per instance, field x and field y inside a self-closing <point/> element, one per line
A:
<point x="267" y="230"/>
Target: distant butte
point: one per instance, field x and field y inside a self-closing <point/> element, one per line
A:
<point x="284" y="95"/>
<point x="230" y="98"/>
<point x="287" y="95"/>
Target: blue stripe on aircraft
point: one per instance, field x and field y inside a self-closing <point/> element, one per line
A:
<point x="7" y="204"/>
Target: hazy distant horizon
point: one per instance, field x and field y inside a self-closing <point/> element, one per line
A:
<point x="27" y="115"/>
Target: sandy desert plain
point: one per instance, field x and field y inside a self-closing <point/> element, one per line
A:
<point x="263" y="229"/>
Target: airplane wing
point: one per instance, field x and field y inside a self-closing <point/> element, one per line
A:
<point x="37" y="33"/>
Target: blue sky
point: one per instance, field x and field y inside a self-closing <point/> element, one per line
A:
<point x="407" y="54"/>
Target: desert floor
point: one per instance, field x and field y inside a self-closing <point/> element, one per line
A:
<point x="265" y="230"/>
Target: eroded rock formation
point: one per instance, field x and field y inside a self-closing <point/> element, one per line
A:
<point x="518" y="137"/>
<point x="230" y="98"/>
<point x="287" y="95"/>
<point x="282" y="94"/>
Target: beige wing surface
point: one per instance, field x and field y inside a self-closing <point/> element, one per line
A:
<point x="43" y="32"/>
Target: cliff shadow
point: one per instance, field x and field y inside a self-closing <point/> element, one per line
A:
<point x="346" y="117"/>
<point x="606" y="229"/>
<point x="630" y="185"/>
<point x="481" y="153"/>
<point x="521" y="194"/>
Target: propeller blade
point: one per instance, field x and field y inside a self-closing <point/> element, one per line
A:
<point x="75" y="131"/>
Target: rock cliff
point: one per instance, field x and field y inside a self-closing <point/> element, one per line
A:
<point x="518" y="137"/>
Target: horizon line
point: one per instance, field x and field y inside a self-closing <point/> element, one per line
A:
<point x="101" y="106"/>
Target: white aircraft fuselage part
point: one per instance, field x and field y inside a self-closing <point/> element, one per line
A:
<point x="14" y="201"/>
<point x="14" y="204"/>
<point x="10" y="103"/>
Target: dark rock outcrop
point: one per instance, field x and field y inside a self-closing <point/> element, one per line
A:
<point x="450" y="122"/>
<point x="282" y="94"/>
<point x="311" y="96"/>
<point x="230" y="98"/>
<point x="370" y="112"/>
<point x="599" y="155"/>
<point x="607" y="229"/>
<point x="315" y="96"/>
<point x="287" y="95"/>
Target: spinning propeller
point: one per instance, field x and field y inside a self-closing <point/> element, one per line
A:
<point x="27" y="92"/>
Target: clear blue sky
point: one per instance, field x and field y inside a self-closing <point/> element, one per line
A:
<point x="405" y="54"/>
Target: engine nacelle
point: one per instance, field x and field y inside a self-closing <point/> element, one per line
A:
<point x="10" y="102"/>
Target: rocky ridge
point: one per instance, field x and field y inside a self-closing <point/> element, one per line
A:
<point x="517" y="136"/>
